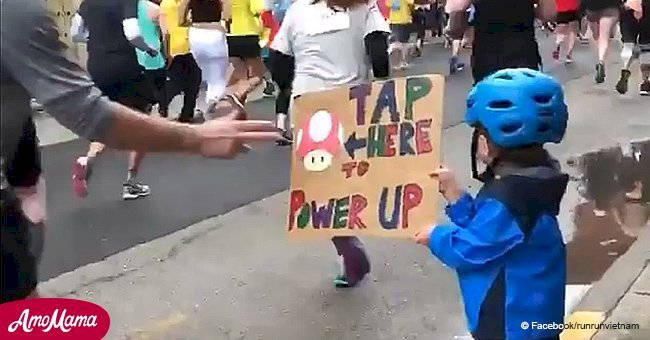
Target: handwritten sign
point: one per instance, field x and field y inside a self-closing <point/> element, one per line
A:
<point x="362" y="157"/>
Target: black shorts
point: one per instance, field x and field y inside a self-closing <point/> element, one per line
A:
<point x="19" y="275"/>
<point x="400" y="32"/>
<point x="244" y="46"/>
<point x="595" y="14"/>
<point x="566" y="17"/>
<point x="136" y="93"/>
<point x="486" y="59"/>
<point x="157" y="80"/>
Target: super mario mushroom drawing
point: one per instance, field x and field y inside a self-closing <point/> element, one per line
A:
<point x="319" y="140"/>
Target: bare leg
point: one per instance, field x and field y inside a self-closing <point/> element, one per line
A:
<point x="82" y="167"/>
<point x="572" y="35"/>
<point x="255" y="68"/>
<point x="455" y="47"/>
<point x="135" y="159"/>
<point x="605" y="28"/>
<point x="454" y="64"/>
<point x="560" y="37"/>
<point x="404" y="52"/>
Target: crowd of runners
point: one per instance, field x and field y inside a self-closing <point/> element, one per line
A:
<point x="143" y="53"/>
<point x="182" y="43"/>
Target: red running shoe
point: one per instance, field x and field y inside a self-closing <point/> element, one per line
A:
<point x="79" y="176"/>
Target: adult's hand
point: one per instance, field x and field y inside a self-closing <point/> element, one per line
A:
<point x="636" y="7"/>
<point x="226" y="136"/>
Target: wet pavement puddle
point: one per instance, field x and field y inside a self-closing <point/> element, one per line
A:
<point x="614" y="187"/>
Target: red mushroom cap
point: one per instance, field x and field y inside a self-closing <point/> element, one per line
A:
<point x="322" y="131"/>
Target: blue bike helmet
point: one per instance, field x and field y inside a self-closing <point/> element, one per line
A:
<point x="518" y="107"/>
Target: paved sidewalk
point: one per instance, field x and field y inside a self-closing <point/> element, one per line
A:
<point x="633" y="308"/>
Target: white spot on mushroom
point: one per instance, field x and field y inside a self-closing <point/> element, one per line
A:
<point x="341" y="137"/>
<point x="320" y="126"/>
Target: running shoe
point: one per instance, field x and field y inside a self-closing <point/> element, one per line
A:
<point x="568" y="60"/>
<point x="600" y="73"/>
<point x="134" y="190"/>
<point x="644" y="89"/>
<point x="80" y="170"/>
<point x="288" y="139"/>
<point x="622" y="84"/>
<point x="455" y="66"/>
<point x="269" y="89"/>
<point x="556" y="53"/>
<point x="353" y="259"/>
<point x="36" y="106"/>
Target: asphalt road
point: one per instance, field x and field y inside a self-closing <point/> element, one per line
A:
<point x="186" y="190"/>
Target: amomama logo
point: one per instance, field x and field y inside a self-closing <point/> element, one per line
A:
<point x="50" y="318"/>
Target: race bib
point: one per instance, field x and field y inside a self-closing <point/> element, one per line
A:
<point x="328" y="21"/>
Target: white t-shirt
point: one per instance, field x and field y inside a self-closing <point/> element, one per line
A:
<point x="328" y="45"/>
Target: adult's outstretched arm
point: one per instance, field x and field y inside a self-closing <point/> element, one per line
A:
<point x="33" y="54"/>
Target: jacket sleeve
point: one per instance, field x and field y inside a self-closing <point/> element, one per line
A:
<point x="487" y="238"/>
<point x="462" y="211"/>
<point x="33" y="54"/>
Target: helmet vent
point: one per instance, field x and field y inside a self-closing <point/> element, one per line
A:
<point x="545" y="113"/>
<point x="529" y="75"/>
<point x="501" y="104"/>
<point x="470" y="103"/>
<point x="543" y="99"/>
<point x="504" y="76"/>
<point x="510" y="127"/>
<point x="543" y="127"/>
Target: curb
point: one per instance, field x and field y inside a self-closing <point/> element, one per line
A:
<point x="605" y="294"/>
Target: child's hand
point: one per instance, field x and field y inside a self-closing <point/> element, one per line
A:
<point x="422" y="236"/>
<point x="448" y="185"/>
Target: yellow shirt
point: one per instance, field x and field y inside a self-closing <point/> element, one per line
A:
<point x="178" y="36"/>
<point x="245" y="17"/>
<point x="401" y="15"/>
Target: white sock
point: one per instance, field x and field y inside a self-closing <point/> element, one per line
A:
<point x="627" y="52"/>
<point x="281" y="121"/>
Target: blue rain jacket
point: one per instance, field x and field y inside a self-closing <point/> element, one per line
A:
<point x="508" y="252"/>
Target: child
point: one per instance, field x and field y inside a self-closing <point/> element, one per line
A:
<point x="505" y="244"/>
<point x="308" y="48"/>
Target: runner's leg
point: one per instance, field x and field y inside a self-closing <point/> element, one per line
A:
<point x="644" y="46"/>
<point x="19" y="273"/>
<point x="210" y="51"/>
<point x="629" y="27"/>
<point x="138" y="95"/>
<point x="572" y="35"/>
<point x="191" y="85"/>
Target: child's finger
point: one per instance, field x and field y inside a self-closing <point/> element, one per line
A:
<point x="439" y="172"/>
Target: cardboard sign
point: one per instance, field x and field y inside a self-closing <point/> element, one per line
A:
<point x="362" y="157"/>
